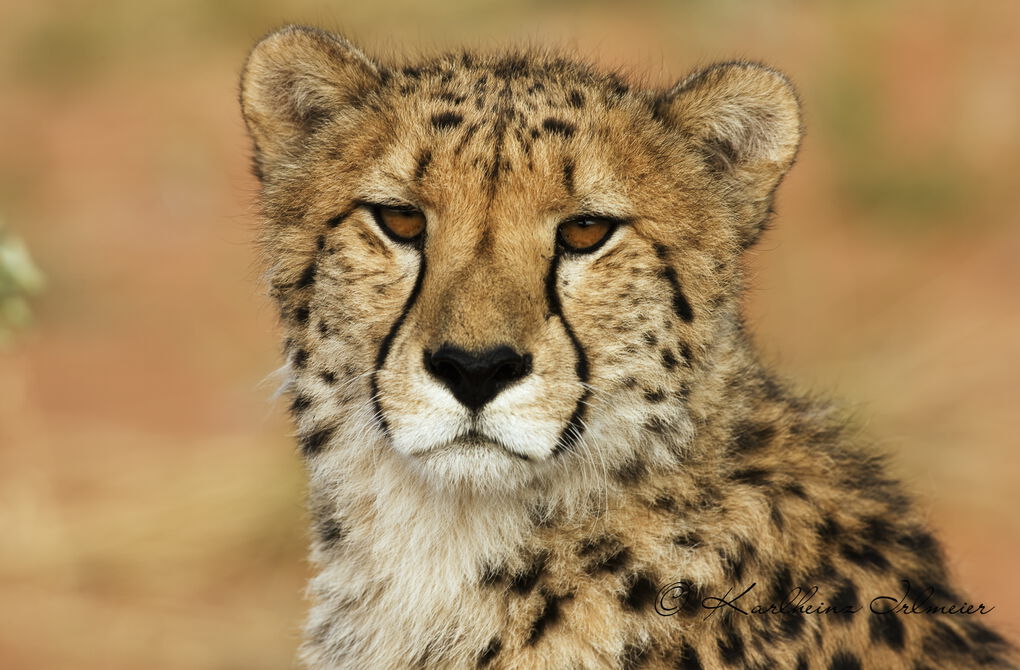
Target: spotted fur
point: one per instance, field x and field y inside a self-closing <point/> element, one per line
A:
<point x="643" y="444"/>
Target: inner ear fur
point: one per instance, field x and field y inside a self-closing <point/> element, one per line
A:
<point x="744" y="119"/>
<point x="293" y="80"/>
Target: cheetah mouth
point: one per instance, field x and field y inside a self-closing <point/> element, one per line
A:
<point x="474" y="439"/>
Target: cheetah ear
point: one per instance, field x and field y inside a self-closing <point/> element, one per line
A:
<point x="294" y="79"/>
<point x="744" y="120"/>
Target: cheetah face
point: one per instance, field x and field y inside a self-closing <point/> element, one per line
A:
<point x="505" y="269"/>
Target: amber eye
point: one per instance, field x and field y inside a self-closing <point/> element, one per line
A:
<point x="403" y="224"/>
<point x="585" y="235"/>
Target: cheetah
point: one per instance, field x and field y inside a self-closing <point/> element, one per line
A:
<point x="536" y="430"/>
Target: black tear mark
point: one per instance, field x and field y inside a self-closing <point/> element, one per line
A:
<point x="387" y="342"/>
<point x="423" y="164"/>
<point x="680" y="304"/>
<point x="559" y="127"/>
<point x="312" y="443"/>
<point x="575" y="425"/>
<point x="446" y="120"/>
<point x="568" y="176"/>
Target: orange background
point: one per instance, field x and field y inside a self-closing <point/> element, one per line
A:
<point x="150" y="498"/>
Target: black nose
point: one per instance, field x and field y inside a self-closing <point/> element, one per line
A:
<point x="475" y="378"/>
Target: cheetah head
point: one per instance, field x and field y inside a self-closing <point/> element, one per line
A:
<point x="499" y="270"/>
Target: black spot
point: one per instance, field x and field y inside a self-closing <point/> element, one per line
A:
<point x="877" y="530"/>
<point x="689" y="659"/>
<point x="576" y="99"/>
<point x="568" y="176"/>
<point x="300" y="404"/>
<point x="752" y="476"/>
<point x="300" y="358"/>
<point x="330" y="531"/>
<point x="312" y="443"/>
<point x="650" y="338"/>
<point x="830" y="531"/>
<point x="301" y="315"/>
<point x="547" y="616"/>
<point x="945" y="638"/>
<point x="423" y="164"/>
<point x="844" y="602"/>
<point x="412" y="72"/>
<point x="511" y="67"/>
<point x="446" y="96"/>
<point x="844" y="660"/>
<point x="982" y="635"/>
<point x="731" y="645"/>
<point x="919" y="542"/>
<point x="307" y="277"/>
<point x="328" y="376"/>
<point x="523" y="582"/>
<point x="631" y="471"/>
<point x="655" y="396"/>
<point x="886" y="629"/>
<point x="558" y="127"/>
<point x="782" y="583"/>
<point x="867" y="557"/>
<point x="490" y="652"/>
<point x="612" y="562"/>
<point x="776" y="516"/>
<point x="791" y="625"/>
<point x="680" y="304"/>
<point x="796" y="489"/>
<point x="668" y="359"/>
<point x="446" y="120"/>
<point x="749" y="436"/>
<point x="634" y="656"/>
<point x="640" y="592"/>
<point x="802" y="663"/>
<point x="687" y="540"/>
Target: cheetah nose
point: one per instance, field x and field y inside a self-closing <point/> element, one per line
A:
<point x="476" y="377"/>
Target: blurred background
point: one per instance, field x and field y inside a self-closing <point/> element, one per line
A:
<point x="150" y="498"/>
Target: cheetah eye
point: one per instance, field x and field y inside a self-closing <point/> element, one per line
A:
<point x="585" y="234"/>
<point x="402" y="224"/>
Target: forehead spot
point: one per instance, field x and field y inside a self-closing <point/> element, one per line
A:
<point x="559" y="127"/>
<point x="446" y="120"/>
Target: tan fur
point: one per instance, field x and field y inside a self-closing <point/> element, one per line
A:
<point x="647" y="445"/>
